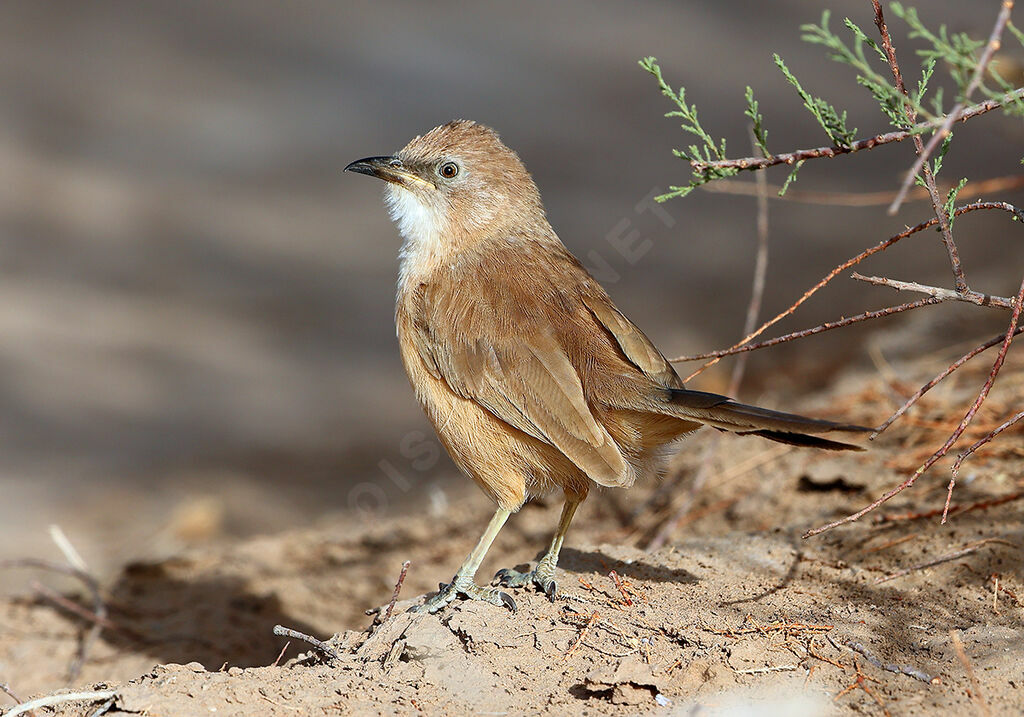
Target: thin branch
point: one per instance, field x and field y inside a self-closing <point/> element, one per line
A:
<point x="971" y="297"/>
<point x="962" y="552"/>
<point x="766" y="670"/>
<point x="955" y="115"/>
<point x="753" y="163"/>
<point x="931" y="384"/>
<point x="51" y="700"/>
<point x="965" y="421"/>
<point x="959" y="281"/>
<point x="73" y="607"/>
<point x="68" y="550"/>
<point x="975" y="692"/>
<point x="960" y="459"/>
<point x="827" y="326"/>
<point x="855" y="199"/>
<point x="882" y="246"/>
<point x="758" y="283"/>
<point x="99" y="611"/>
<point x="320" y="645"/>
<point x="104" y="708"/>
<point x="759" y="279"/>
<point x="6" y="689"/>
<point x="978" y="444"/>
<point x="284" y="649"/>
<point x="398" y="589"/>
<point x="892" y="667"/>
<point x="978" y="505"/>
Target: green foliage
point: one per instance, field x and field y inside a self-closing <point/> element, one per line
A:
<point x="957" y="50"/>
<point x="873" y="73"/>
<point x="961" y="54"/>
<point x="759" y="132"/>
<point x="830" y="120"/>
<point x="941" y="155"/>
<point x="791" y="177"/>
<point x="1016" y="32"/>
<point x="956" y="53"/>
<point x="708" y="150"/>
<point x="951" y="201"/>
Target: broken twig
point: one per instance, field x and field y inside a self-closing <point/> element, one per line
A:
<point x="51" y="700"/>
<point x="320" y="645"/>
<point x="398" y="588"/>
<point x="975" y="692"/>
<point x="962" y="552"/>
<point x="892" y="667"/>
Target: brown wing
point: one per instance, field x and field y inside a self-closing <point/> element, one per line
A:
<point x="634" y="344"/>
<point x="519" y="373"/>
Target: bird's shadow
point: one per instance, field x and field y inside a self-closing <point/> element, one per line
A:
<point x="210" y="619"/>
<point x="594" y="561"/>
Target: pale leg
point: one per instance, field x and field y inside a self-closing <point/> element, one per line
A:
<point x="462" y="583"/>
<point x="543" y="576"/>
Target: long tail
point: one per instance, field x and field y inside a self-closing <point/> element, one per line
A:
<point x="727" y="415"/>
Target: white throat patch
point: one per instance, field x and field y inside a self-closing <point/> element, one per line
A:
<point x="422" y="228"/>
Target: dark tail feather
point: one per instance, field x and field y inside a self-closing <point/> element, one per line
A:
<point x="727" y="415"/>
<point x="802" y="439"/>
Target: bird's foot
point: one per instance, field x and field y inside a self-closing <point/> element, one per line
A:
<point x="465" y="587"/>
<point x="543" y="576"/>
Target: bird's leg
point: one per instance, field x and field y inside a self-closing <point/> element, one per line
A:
<point x="543" y="576"/>
<point x="462" y="583"/>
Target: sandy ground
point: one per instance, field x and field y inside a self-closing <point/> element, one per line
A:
<point x="737" y="615"/>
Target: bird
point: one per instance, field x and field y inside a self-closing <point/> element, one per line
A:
<point x="534" y="381"/>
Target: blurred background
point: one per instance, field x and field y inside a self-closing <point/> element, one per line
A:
<point x="196" y="304"/>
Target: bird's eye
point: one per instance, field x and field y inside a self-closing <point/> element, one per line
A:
<point x="448" y="170"/>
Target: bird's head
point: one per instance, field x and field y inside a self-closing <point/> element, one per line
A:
<point x="455" y="184"/>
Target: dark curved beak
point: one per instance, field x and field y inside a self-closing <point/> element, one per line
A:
<point x="390" y="169"/>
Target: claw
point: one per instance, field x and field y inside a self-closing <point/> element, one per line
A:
<point x="508" y="602"/>
<point x="551" y="590"/>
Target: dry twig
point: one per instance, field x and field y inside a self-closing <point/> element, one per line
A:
<point x="979" y="505"/>
<point x="320" y="645"/>
<point x="98" y="617"/>
<point x="765" y="670"/>
<point x="6" y="689"/>
<point x="853" y="261"/>
<point x="971" y="297"/>
<point x="975" y="692"/>
<point x="786" y="627"/>
<point x="956" y="554"/>
<point x="398" y="589"/>
<point x="284" y="649"/>
<point x="861" y="680"/>
<point x="820" y="328"/>
<point x="945" y="448"/>
<point x="892" y="667"/>
<point x="73" y="607"/>
<point x="626" y="600"/>
<point x="978" y="444"/>
<point x="853" y="199"/>
<point x="926" y="171"/>
<point x="580" y="637"/>
<point x="51" y="700"/>
<point x="931" y="384"/>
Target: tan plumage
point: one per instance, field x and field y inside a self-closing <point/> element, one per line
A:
<point x="532" y="378"/>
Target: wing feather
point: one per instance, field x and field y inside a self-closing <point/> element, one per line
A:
<point x="524" y="378"/>
<point x="634" y="344"/>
